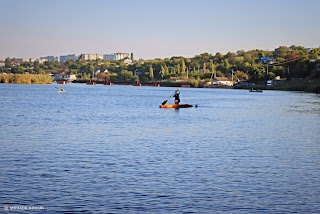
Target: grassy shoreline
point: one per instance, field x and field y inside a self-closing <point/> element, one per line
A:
<point x="25" y="79"/>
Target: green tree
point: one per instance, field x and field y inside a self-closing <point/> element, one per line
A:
<point x="204" y="68"/>
<point x="226" y="64"/>
<point x="277" y="70"/>
<point x="178" y="69"/>
<point x="17" y="70"/>
<point x="8" y="62"/>
<point x="212" y="68"/>
<point x="89" y="70"/>
<point x="183" y="67"/>
<point x="135" y="78"/>
<point x="240" y="75"/>
<point x="151" y="75"/>
<point x="166" y="70"/>
<point x="113" y="76"/>
<point x="74" y="71"/>
<point x="81" y="57"/>
<point x="218" y="57"/>
<point x="257" y="72"/>
<point x="282" y="51"/>
<point x="172" y="70"/>
<point x="219" y="73"/>
<point x="271" y="75"/>
<point x="163" y="72"/>
<point x="195" y="73"/>
<point x="125" y="76"/>
<point x="36" y="68"/>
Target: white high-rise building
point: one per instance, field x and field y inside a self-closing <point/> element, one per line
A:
<point x="120" y="56"/>
<point x="117" y="56"/>
<point x="92" y="56"/>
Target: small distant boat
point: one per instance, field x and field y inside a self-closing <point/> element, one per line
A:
<point x="176" y="106"/>
<point x="108" y="83"/>
<point x="136" y="83"/>
<point x="91" y="82"/>
<point x="255" y="90"/>
<point x="61" y="81"/>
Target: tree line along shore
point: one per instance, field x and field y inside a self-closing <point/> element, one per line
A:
<point x="297" y="67"/>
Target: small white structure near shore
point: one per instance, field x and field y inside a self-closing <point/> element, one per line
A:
<point x="68" y="77"/>
<point x="219" y="81"/>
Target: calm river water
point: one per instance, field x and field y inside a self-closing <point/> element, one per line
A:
<point x="110" y="149"/>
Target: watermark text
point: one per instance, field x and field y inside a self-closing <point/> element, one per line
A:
<point x="21" y="207"/>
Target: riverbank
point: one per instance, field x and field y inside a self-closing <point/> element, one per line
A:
<point x="25" y="78"/>
<point x="303" y="85"/>
<point x="312" y="86"/>
<point x="165" y="83"/>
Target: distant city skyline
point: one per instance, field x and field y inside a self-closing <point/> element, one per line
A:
<point x="87" y="56"/>
<point x="155" y="29"/>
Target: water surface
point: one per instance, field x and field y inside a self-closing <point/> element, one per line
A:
<point x="111" y="149"/>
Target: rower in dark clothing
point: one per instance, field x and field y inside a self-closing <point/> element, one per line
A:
<point x="176" y="97"/>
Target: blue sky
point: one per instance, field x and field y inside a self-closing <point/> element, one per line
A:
<point x="155" y="28"/>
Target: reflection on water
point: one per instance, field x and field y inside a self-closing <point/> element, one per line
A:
<point x="112" y="150"/>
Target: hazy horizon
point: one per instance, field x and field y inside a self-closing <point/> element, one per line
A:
<point x="155" y="29"/>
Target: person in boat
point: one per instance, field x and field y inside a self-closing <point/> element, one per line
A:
<point x="61" y="89"/>
<point x="176" y="97"/>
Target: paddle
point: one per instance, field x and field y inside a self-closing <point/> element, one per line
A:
<point x="164" y="102"/>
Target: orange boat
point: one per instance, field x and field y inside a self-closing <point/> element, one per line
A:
<point x="176" y="106"/>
